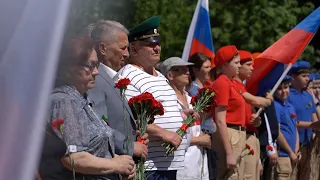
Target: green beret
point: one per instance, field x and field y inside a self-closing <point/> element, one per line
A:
<point x="146" y="31"/>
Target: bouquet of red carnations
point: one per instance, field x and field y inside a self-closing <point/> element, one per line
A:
<point x="203" y="101"/>
<point x="144" y="107"/>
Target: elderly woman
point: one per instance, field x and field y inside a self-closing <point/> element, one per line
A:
<point x="89" y="139"/>
<point x="196" y="167"/>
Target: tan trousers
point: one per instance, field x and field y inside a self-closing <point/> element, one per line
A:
<point x="283" y="170"/>
<point x="237" y="141"/>
<point x="302" y="170"/>
<point x="315" y="157"/>
<point x="251" y="163"/>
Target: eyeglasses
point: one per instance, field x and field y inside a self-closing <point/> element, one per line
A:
<point x="91" y="65"/>
<point x="180" y="70"/>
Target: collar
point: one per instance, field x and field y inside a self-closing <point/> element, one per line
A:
<point x="111" y="73"/>
<point x="73" y="92"/>
<point x="188" y="100"/>
<point x="293" y="90"/>
<point x="194" y="83"/>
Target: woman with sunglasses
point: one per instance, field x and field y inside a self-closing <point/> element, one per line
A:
<point x="229" y="115"/>
<point x="196" y="167"/>
<point x="89" y="139"/>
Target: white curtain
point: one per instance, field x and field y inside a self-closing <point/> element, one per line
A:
<point x="31" y="33"/>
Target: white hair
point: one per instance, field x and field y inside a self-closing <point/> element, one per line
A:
<point x="106" y="30"/>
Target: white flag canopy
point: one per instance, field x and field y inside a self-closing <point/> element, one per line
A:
<point x="31" y="33"/>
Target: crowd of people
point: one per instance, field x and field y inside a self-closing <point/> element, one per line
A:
<point x="92" y="133"/>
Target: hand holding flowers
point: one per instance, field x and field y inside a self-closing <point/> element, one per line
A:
<point x="203" y="101"/>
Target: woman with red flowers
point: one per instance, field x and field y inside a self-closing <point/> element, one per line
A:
<point x="202" y="73"/>
<point x="229" y="115"/>
<point x="196" y="163"/>
<point x="90" y="152"/>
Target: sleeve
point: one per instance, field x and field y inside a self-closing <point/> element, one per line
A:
<point x="270" y="140"/>
<point x="243" y="89"/>
<point x="131" y="91"/>
<point x="277" y="112"/>
<point x="73" y="131"/>
<point x="222" y="90"/>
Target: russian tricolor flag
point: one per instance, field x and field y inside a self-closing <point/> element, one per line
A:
<point x="199" y="37"/>
<point x="270" y="65"/>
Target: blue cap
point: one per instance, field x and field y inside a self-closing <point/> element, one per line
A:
<point x="287" y="78"/>
<point x="299" y="65"/>
<point x="314" y="76"/>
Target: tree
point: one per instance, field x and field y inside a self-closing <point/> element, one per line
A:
<point x="85" y="12"/>
<point x="251" y="25"/>
<point x="176" y="17"/>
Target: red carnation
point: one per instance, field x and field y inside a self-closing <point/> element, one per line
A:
<point x="157" y="108"/>
<point x="122" y="83"/>
<point x="139" y="139"/>
<point x="57" y="123"/>
<point x="184" y="127"/>
<point x="248" y="147"/>
<point x="270" y="148"/>
<point x="151" y="121"/>
<point x="292" y="115"/>
<point x="194" y="100"/>
<point x="252" y="152"/>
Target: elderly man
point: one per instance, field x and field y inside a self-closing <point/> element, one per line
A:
<point x="112" y="48"/>
<point x="144" y="55"/>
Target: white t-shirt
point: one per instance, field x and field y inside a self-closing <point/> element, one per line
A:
<point x="159" y="87"/>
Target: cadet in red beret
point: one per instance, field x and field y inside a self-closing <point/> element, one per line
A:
<point x="229" y="115"/>
<point x="251" y="163"/>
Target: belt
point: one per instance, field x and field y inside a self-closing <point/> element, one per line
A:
<point x="251" y="133"/>
<point x="236" y="127"/>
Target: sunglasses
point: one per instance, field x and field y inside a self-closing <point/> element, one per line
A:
<point x="91" y="66"/>
<point x="181" y="70"/>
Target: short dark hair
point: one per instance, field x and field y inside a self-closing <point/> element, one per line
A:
<point x="301" y="71"/>
<point x="244" y="61"/>
<point x="286" y="82"/>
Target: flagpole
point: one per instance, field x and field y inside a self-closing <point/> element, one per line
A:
<point x="275" y="87"/>
<point x="188" y="43"/>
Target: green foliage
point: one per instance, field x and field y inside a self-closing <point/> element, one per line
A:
<point x="176" y="17"/>
<point x="85" y="12"/>
<point x="251" y="25"/>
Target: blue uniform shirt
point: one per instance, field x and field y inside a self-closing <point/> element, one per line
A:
<point x="286" y="116"/>
<point x="305" y="107"/>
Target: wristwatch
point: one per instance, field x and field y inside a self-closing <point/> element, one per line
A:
<point x="317" y="104"/>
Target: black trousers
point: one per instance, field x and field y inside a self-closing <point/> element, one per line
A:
<point x="212" y="164"/>
<point x="265" y="162"/>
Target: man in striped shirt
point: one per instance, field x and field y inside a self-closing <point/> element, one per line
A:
<point x="144" y="54"/>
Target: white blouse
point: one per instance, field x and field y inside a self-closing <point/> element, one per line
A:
<point x="196" y="162"/>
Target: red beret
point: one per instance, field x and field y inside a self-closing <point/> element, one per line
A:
<point x="225" y="54"/>
<point x="245" y="56"/>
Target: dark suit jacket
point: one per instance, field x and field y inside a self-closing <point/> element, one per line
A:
<point x="274" y="126"/>
<point x="107" y="101"/>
